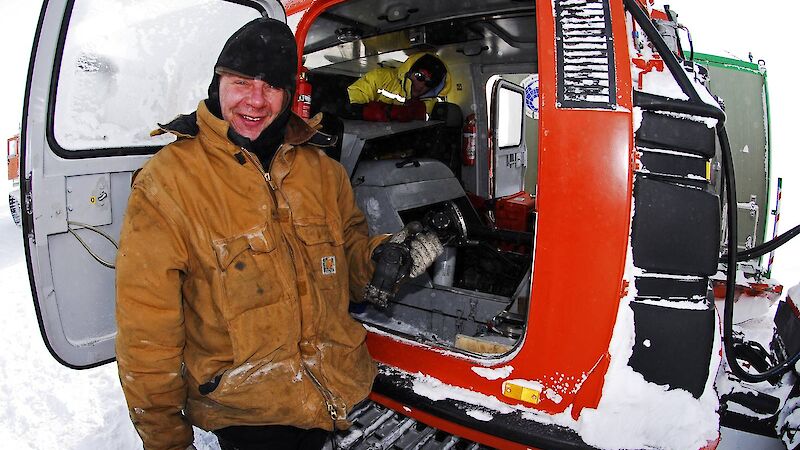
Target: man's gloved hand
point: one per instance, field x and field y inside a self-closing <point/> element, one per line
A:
<point x="406" y="254"/>
<point x="384" y="112"/>
<point x="375" y="112"/>
<point x="411" y="110"/>
<point x="424" y="246"/>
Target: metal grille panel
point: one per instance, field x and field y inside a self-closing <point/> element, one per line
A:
<point x="584" y="45"/>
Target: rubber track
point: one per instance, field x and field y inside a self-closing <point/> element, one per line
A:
<point x="376" y="427"/>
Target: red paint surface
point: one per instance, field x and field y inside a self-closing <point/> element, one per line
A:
<point x="295" y="6"/>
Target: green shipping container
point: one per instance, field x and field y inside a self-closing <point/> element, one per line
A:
<point x="742" y="86"/>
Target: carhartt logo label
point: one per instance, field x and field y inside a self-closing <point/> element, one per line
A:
<point x="328" y="265"/>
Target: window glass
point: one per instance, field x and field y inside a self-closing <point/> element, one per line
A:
<point x="12" y="147"/>
<point x="509" y="123"/>
<point x="129" y="64"/>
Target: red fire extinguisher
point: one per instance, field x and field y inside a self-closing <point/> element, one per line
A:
<point x="302" y="104"/>
<point x="469" y="140"/>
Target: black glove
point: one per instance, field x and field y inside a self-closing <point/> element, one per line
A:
<point x="406" y="254"/>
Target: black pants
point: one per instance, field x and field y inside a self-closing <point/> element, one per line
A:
<point x="270" y="437"/>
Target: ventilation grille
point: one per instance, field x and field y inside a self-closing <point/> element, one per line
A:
<point x="586" y="76"/>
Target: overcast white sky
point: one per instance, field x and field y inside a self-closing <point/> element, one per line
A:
<point x="17" y="25"/>
<point x="731" y="28"/>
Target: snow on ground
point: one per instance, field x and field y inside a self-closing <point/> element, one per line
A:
<point x="44" y="405"/>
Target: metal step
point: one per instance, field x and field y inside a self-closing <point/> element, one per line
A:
<point x="376" y="427"/>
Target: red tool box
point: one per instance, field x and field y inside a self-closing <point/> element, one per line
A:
<point x="515" y="212"/>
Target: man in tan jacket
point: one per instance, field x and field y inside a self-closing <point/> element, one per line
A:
<point x="240" y="250"/>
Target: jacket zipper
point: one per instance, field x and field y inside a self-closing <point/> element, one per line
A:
<point x="264" y="174"/>
<point x="327" y="395"/>
<point x="272" y="189"/>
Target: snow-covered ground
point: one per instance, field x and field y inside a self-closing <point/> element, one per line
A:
<point x="42" y="403"/>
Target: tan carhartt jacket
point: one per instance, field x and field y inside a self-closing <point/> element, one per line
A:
<point x="232" y="287"/>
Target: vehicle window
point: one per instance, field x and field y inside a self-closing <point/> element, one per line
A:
<point x="509" y="124"/>
<point x="12" y="148"/>
<point x="129" y="64"/>
<point x="530" y="84"/>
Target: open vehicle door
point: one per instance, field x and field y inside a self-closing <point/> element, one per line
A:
<point x="509" y="155"/>
<point x="102" y="74"/>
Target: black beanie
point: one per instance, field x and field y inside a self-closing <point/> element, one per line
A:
<point x="264" y="49"/>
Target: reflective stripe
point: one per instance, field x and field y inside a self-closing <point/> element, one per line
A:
<point x="392" y="95"/>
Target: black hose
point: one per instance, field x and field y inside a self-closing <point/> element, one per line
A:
<point x="727" y="321"/>
<point x="766" y="247"/>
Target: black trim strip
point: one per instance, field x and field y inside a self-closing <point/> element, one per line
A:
<point x="652" y="102"/>
<point x="748" y="424"/>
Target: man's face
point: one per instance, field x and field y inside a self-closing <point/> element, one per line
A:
<point x="419" y="80"/>
<point x="249" y="105"/>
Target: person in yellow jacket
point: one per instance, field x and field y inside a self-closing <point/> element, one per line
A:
<point x="405" y="93"/>
<point x="240" y="250"/>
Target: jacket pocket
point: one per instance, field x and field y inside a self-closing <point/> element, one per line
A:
<point x="261" y="389"/>
<point x="248" y="271"/>
<point x="325" y="257"/>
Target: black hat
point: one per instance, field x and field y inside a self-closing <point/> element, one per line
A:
<point x="264" y="49"/>
<point x="433" y="65"/>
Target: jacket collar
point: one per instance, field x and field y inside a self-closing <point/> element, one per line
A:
<point x="206" y="126"/>
<point x="298" y="131"/>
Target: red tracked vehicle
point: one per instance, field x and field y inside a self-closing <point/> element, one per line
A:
<point x="573" y="309"/>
